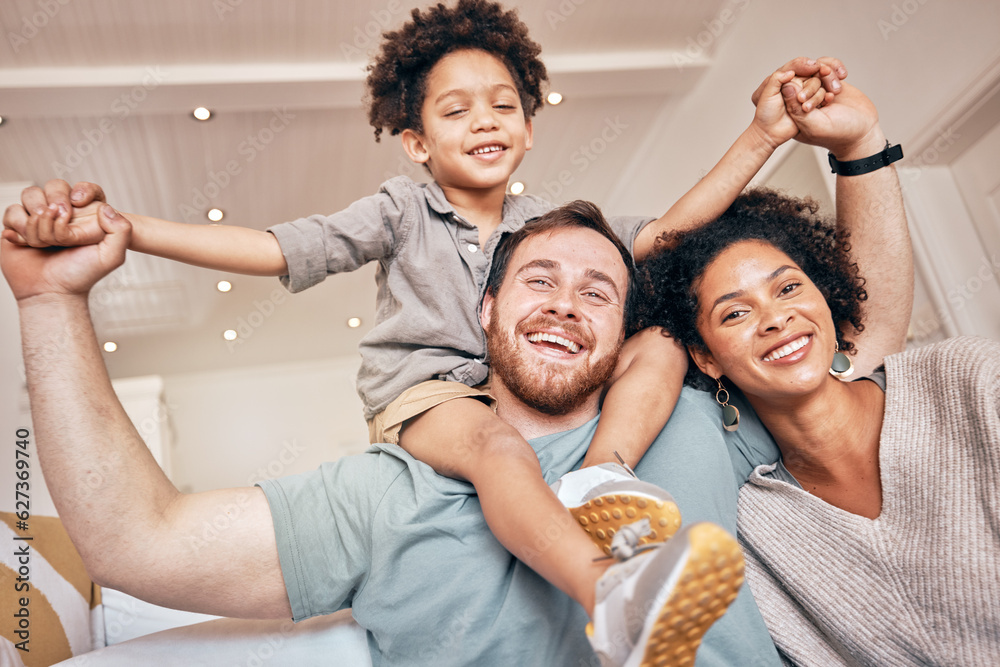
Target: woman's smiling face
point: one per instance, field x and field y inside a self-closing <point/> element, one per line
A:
<point x="765" y="325"/>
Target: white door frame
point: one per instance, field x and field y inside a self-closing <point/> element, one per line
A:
<point x="948" y="253"/>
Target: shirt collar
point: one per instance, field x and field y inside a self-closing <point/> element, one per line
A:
<point x="437" y="201"/>
<point x="516" y="209"/>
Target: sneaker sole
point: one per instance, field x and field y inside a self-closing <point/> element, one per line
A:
<point x="603" y="516"/>
<point x="708" y="584"/>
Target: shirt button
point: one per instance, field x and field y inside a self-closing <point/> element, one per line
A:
<point x="473" y="247"/>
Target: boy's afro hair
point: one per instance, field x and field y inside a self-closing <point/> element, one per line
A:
<point x="396" y="78"/>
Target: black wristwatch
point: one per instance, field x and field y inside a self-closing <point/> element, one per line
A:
<point x="865" y="165"/>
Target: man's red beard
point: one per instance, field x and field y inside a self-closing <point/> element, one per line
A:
<point x="547" y="387"/>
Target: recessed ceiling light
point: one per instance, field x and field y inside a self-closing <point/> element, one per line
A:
<point x="1" y="120"/>
<point x="110" y="346"/>
<point x="229" y="334"/>
<point x="201" y="113"/>
<point x="516" y="188"/>
<point x="554" y="98"/>
<point x="215" y="214"/>
<point x="224" y="286"/>
<point x="354" y="322"/>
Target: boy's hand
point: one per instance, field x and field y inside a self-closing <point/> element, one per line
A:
<point x="55" y="216"/>
<point x="771" y="120"/>
<point x="805" y="83"/>
<point x="829" y="71"/>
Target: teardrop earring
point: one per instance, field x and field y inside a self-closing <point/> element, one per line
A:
<point x="730" y="414"/>
<point x="842" y="367"/>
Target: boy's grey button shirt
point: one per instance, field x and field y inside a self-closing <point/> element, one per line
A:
<point x="431" y="277"/>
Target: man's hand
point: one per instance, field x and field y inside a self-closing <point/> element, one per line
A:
<point x="33" y="272"/>
<point x="55" y="216"/>
<point x="771" y="120"/>
<point x="844" y="122"/>
<point x="847" y="127"/>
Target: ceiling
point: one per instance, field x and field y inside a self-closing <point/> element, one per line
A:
<point x="102" y="91"/>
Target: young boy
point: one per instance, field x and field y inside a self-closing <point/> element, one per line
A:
<point x="460" y="85"/>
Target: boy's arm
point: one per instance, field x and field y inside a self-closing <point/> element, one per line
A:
<point x="770" y="128"/>
<point x="640" y="398"/>
<point x="47" y="218"/>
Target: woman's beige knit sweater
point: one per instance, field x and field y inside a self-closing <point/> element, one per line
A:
<point x="919" y="585"/>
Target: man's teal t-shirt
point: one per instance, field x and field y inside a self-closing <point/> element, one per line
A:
<point x="410" y="552"/>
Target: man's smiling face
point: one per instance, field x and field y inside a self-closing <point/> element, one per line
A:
<point x="556" y="326"/>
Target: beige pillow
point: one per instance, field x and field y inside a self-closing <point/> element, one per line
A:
<point x="60" y="598"/>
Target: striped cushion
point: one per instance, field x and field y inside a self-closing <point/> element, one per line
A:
<point x="61" y="597"/>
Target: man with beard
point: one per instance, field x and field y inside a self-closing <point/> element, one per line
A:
<point x="406" y="549"/>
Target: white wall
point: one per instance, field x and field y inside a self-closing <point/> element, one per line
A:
<point x="911" y="73"/>
<point x="232" y="428"/>
<point x="227" y="428"/>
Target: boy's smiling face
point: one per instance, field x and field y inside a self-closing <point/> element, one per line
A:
<point x="474" y="131"/>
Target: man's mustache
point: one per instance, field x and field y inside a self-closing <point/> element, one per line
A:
<point x="571" y="329"/>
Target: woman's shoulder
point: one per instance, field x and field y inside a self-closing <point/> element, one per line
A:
<point x="959" y="346"/>
<point x="962" y="357"/>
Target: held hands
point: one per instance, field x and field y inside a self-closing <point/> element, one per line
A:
<point x="802" y="83"/>
<point x="846" y="124"/>
<point x="55" y="216"/>
<point x="35" y="272"/>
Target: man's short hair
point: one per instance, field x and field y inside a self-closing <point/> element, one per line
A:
<point x="575" y="214"/>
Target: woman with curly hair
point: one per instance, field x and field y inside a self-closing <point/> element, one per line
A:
<point x="875" y="539"/>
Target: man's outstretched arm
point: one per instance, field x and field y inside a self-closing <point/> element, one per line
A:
<point x="870" y="206"/>
<point x="134" y="530"/>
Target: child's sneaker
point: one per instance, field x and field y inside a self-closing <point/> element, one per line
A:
<point x="606" y="497"/>
<point x="654" y="608"/>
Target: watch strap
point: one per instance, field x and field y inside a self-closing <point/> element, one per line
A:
<point x="865" y="165"/>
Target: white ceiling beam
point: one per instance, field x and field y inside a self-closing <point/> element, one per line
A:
<point x="104" y="91"/>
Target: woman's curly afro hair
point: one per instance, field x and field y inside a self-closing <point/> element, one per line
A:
<point x="396" y="78"/>
<point x="671" y="277"/>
